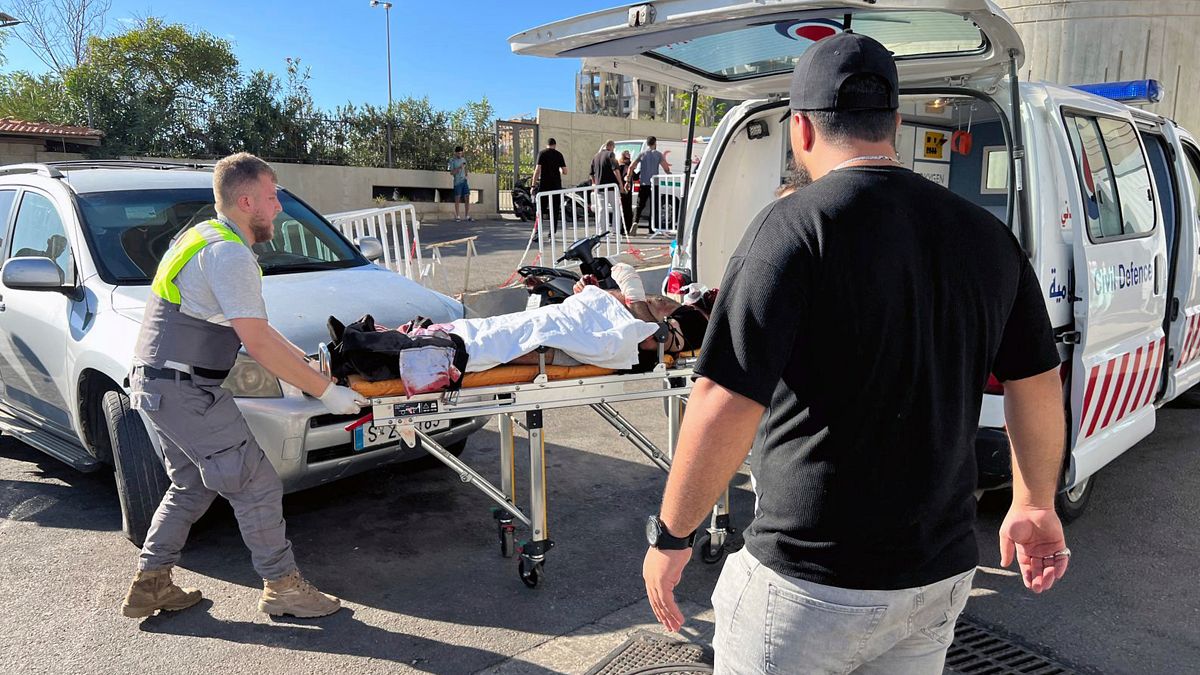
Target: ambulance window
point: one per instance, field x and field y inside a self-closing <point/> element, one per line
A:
<point x="1101" y="207"/>
<point x="1193" y="173"/>
<point x="1133" y="177"/>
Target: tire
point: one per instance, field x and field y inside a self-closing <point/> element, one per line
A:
<point x="1071" y="504"/>
<point x="141" y="479"/>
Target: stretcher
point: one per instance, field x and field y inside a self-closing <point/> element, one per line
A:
<point x="523" y="401"/>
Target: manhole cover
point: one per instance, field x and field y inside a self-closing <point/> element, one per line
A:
<point x="648" y="653"/>
<point x="979" y="651"/>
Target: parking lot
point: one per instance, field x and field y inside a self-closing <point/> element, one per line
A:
<point x="414" y="556"/>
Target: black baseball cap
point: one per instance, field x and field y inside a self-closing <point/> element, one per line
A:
<point x="822" y="70"/>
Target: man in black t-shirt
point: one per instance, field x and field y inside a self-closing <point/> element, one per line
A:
<point x="551" y="167"/>
<point x="604" y="166"/>
<point x="850" y="345"/>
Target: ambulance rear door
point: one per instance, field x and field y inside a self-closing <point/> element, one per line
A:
<point x="1119" y="289"/>
<point x="1183" y="310"/>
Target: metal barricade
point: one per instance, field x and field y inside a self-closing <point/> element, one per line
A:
<point x="565" y="216"/>
<point x="666" y="210"/>
<point x="396" y="226"/>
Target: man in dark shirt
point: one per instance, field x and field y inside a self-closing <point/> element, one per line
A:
<point x="551" y="167"/>
<point x="851" y="342"/>
<point x="604" y="166"/>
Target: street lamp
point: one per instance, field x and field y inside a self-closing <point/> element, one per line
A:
<point x="7" y="21"/>
<point x="387" y="19"/>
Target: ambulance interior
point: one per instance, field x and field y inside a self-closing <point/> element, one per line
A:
<point x="955" y="140"/>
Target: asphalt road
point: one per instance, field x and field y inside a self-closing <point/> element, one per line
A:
<point x="414" y="556"/>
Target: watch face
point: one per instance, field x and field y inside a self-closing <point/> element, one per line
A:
<point x="652" y="530"/>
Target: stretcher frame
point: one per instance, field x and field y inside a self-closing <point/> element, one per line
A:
<point x="534" y="399"/>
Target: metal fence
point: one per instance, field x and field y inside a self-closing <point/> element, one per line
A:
<point x="575" y="213"/>
<point x="396" y="226"/>
<point x="666" y="210"/>
<point x="350" y="141"/>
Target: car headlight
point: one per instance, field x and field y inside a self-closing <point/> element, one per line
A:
<point x="247" y="379"/>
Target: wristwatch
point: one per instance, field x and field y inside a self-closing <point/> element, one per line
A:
<point x="658" y="536"/>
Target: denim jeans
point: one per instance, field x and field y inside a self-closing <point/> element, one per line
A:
<point x="771" y="623"/>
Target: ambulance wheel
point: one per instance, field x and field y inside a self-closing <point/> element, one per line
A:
<point x="141" y="480"/>
<point x="531" y="573"/>
<point x="704" y="550"/>
<point x="1071" y="504"/>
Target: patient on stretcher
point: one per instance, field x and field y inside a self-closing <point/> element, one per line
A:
<point x="610" y="330"/>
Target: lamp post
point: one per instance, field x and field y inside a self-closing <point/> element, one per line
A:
<point x="8" y="21"/>
<point x="387" y="14"/>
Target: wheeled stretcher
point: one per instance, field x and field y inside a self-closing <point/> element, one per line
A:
<point x="524" y="402"/>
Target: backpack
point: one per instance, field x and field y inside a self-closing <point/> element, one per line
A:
<point x="426" y="358"/>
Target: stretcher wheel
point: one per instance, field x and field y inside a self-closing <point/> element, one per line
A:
<point x="531" y="573"/>
<point x="704" y="550"/>
<point x="508" y="545"/>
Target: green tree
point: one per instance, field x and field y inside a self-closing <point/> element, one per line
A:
<point x="149" y="89"/>
<point x="37" y="98"/>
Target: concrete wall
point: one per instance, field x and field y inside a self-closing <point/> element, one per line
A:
<point x="579" y="136"/>
<point x="1074" y="41"/>
<point x="14" y="151"/>
<point x="331" y="189"/>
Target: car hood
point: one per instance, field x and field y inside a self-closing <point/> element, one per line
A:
<point x="299" y="305"/>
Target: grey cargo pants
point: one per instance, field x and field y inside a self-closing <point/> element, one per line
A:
<point x="208" y="449"/>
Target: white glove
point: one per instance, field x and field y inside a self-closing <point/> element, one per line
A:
<point x="629" y="282"/>
<point x="341" y="400"/>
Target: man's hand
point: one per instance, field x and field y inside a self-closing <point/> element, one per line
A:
<point x="341" y="400"/>
<point x="662" y="570"/>
<point x="1037" y="535"/>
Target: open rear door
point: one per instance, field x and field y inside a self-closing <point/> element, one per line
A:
<point x="742" y="50"/>
<point x="1120" y="287"/>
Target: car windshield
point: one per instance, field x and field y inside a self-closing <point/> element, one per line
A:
<point x="129" y="232"/>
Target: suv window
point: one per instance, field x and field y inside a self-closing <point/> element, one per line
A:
<point x="1118" y="200"/>
<point x="130" y="231"/>
<point x="7" y="197"/>
<point x="39" y="232"/>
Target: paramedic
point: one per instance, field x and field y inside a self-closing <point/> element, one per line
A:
<point x="851" y="342"/>
<point x="205" y="303"/>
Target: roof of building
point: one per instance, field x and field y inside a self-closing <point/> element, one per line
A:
<point x="14" y="127"/>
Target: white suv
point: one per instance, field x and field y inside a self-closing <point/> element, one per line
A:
<point x="81" y="241"/>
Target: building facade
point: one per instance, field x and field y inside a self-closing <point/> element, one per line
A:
<point x="602" y="93"/>
<point x="1078" y="41"/>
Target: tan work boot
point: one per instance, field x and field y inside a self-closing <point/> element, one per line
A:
<point x="153" y="590"/>
<point x="292" y="594"/>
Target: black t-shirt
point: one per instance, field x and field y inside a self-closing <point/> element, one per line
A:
<point x="865" y="311"/>
<point x="604" y="167"/>
<point x="551" y="161"/>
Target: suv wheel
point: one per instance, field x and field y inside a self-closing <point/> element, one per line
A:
<point x="141" y="480"/>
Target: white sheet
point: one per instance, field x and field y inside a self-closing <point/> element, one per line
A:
<point x="592" y="327"/>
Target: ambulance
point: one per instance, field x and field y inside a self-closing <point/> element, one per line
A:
<point x="1102" y="195"/>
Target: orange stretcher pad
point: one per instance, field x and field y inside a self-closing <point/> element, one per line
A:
<point x="496" y="376"/>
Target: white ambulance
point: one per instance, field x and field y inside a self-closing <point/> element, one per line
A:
<point x="1102" y="195"/>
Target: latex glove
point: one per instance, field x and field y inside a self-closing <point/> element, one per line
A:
<point x="341" y="400"/>
<point x="629" y="282"/>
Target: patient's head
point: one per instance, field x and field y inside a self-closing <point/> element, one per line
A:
<point x="661" y="306"/>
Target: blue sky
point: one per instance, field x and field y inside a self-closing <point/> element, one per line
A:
<point x="450" y="50"/>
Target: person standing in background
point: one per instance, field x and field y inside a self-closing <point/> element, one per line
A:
<point x="648" y="163"/>
<point x="548" y="175"/>
<point x="462" y="189"/>
<point x="624" y="174"/>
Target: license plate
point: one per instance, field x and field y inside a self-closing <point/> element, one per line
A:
<point x="371" y="436"/>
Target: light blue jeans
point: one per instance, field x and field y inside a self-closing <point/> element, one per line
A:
<point x="771" y="623"/>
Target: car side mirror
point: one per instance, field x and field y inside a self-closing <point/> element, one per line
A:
<point x="371" y="247"/>
<point x="33" y="274"/>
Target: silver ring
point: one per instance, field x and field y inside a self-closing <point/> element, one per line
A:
<point x="1065" y="553"/>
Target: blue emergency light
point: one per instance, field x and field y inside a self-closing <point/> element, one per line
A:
<point x="1135" y="91"/>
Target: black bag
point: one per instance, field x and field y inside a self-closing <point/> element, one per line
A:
<point x="361" y="349"/>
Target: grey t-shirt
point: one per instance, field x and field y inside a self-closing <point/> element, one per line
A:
<point x="222" y="282"/>
<point x="650" y="165"/>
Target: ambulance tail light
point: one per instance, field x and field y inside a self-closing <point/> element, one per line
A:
<point x="994" y="386"/>
<point x="1133" y="92"/>
<point x="675" y="282"/>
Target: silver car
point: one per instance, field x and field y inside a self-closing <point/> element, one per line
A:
<point x="81" y="243"/>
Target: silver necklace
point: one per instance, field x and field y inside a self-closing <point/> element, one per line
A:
<point x="866" y="158"/>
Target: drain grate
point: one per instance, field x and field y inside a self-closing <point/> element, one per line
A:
<point x="979" y="651"/>
<point x="643" y="651"/>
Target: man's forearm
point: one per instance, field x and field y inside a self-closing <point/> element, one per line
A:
<point x="718" y="430"/>
<point x="275" y="354"/>
<point x="291" y="346"/>
<point x="1033" y="412"/>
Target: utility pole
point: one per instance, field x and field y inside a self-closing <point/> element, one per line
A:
<point x="387" y="18"/>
